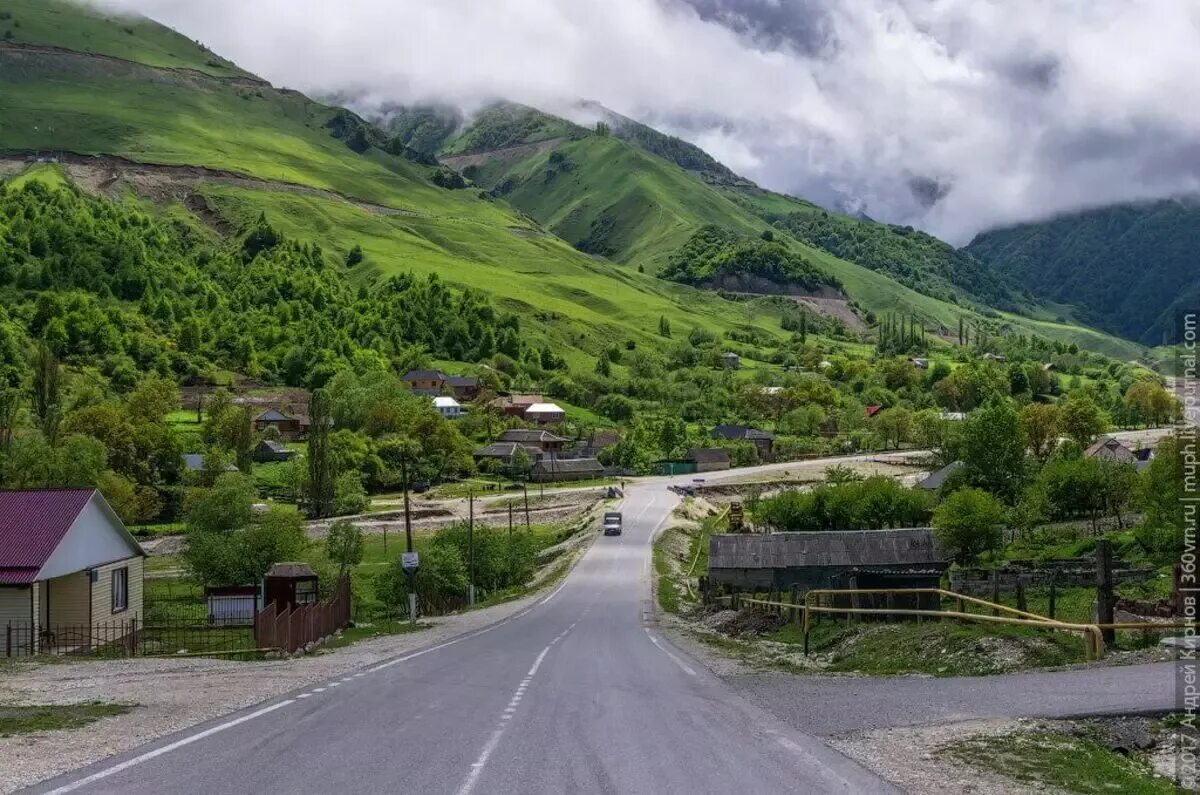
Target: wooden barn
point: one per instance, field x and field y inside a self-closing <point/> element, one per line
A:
<point x="837" y="560"/>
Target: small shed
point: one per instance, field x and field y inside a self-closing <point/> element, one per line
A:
<point x="268" y="451"/>
<point x="830" y="559"/>
<point x="708" y="459"/>
<point x="289" y="584"/>
<point x="731" y="360"/>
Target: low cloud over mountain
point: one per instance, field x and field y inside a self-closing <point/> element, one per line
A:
<point x="956" y="115"/>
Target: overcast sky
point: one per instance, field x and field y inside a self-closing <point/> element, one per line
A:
<point x="951" y="115"/>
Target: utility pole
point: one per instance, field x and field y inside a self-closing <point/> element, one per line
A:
<point x="527" y="525"/>
<point x="510" y="523"/>
<point x="412" y="591"/>
<point x="471" y="548"/>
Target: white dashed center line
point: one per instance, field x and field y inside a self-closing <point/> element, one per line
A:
<point x="494" y="739"/>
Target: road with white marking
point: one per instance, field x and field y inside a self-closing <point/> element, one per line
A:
<point x="579" y="693"/>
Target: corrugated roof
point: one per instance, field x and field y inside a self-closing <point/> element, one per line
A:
<point x="423" y="375"/>
<point x="740" y="432"/>
<point x="906" y="546"/>
<point x="936" y="479"/>
<point x="505" y="450"/>
<point x="544" y="408"/>
<point x="32" y="523"/>
<point x="528" y="435"/>
<point x="273" y="415"/>
<point x="568" y="465"/>
<point x="463" y="380"/>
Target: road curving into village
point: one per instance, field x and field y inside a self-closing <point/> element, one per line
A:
<point x="579" y="692"/>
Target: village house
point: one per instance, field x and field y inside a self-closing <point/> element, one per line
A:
<point x="503" y="452"/>
<point x="830" y="559"/>
<point x="871" y="410"/>
<point x="289" y="427"/>
<point x="599" y="440"/>
<point x="268" y="451"/>
<point x="447" y="406"/>
<point x="463" y="387"/>
<point x="544" y="441"/>
<point x="763" y="441"/>
<point x="1110" y="449"/>
<point x="68" y="566"/>
<point x="919" y="363"/>
<point x="545" y="413"/>
<point x="731" y="360"/>
<point x="425" y="382"/>
<point x="194" y="462"/>
<point x="515" y="405"/>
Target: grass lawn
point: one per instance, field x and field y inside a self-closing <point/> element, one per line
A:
<point x="1061" y="761"/>
<point x="48" y="717"/>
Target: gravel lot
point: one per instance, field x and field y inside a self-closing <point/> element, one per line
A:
<point x="173" y="694"/>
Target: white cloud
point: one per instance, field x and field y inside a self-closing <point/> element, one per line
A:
<point x="1024" y="108"/>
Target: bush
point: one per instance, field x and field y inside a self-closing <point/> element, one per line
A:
<point x="968" y="522"/>
<point x="870" y="504"/>
<point x="441" y="581"/>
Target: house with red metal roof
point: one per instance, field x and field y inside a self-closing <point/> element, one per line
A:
<point x="68" y="567"/>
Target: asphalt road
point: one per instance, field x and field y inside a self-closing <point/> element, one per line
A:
<point x="577" y="694"/>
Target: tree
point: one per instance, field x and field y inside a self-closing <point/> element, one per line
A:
<point x="603" y="367"/>
<point x="664" y="326"/>
<point x="993" y="449"/>
<point x="1160" y="494"/>
<point x="45" y="391"/>
<point x="1040" y="422"/>
<point x="233" y="430"/>
<point x="320" y="467"/>
<point x="344" y="545"/>
<point x="224" y="507"/>
<point x="1081" y="419"/>
<point x="132" y="503"/>
<point x="894" y="425"/>
<point x="153" y="399"/>
<point x="967" y="523"/>
<point x="349" y="494"/>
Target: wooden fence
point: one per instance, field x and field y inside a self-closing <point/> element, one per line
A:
<point x="294" y="628"/>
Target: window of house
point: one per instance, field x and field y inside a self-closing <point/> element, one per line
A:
<point x="120" y="589"/>
<point x="306" y="592"/>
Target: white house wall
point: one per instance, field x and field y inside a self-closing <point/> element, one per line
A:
<point x="93" y="540"/>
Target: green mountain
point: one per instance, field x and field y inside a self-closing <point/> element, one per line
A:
<point x="133" y="114"/>
<point x="565" y="229"/>
<point x="1124" y="269"/>
<point x="621" y="199"/>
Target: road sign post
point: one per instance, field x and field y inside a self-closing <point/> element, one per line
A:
<point x="410" y="562"/>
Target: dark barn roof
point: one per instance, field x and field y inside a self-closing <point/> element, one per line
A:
<point x="850" y="548"/>
<point x="936" y="479"/>
<point x="740" y="432"/>
<point x="568" y="465"/>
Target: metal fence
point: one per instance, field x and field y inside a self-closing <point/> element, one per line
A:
<point x="123" y="639"/>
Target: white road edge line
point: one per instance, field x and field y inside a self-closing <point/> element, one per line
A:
<point x="166" y="749"/>
<point x="686" y="669"/>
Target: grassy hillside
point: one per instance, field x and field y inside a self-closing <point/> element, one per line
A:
<point x="55" y="24"/>
<point x="1086" y="259"/>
